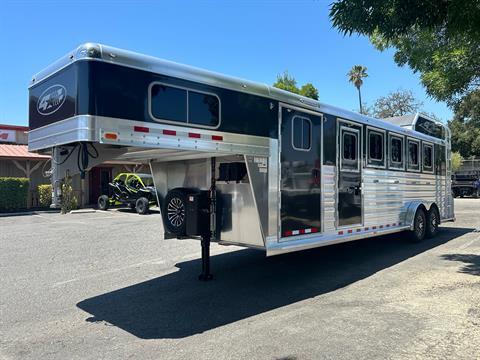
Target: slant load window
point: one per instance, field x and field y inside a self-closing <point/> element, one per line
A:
<point x="169" y="103"/>
<point x="413" y="155"/>
<point x="350" y="151"/>
<point x="375" y="143"/>
<point x="396" y="152"/>
<point x="427" y="158"/>
<point x="301" y="133"/>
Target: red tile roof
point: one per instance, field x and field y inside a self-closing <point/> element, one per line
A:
<point x="10" y="151"/>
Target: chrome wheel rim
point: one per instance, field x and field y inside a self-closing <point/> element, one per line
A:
<point x="420" y="226"/>
<point x="433" y="221"/>
<point x="176" y="212"/>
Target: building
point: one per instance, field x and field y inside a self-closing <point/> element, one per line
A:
<point x="17" y="161"/>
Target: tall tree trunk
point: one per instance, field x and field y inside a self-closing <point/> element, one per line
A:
<point x="360" y="100"/>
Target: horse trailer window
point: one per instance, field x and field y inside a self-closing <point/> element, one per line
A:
<point x="413" y="152"/>
<point x="175" y="104"/>
<point x="350" y="149"/>
<point x="301" y="133"/>
<point x="375" y="144"/>
<point x="427" y="158"/>
<point x="396" y="152"/>
<point x="168" y="103"/>
<point x="203" y="109"/>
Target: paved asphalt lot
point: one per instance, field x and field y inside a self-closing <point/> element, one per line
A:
<point x="101" y="285"/>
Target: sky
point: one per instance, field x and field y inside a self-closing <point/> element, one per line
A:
<point x="254" y="40"/>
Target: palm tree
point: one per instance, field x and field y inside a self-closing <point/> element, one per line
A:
<point x="355" y="76"/>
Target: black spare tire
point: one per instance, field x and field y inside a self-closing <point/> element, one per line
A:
<point x="174" y="211"/>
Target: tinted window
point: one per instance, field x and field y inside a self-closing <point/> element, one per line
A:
<point x="203" y="109"/>
<point x="427" y="157"/>
<point x="396" y="152"/>
<point x="302" y="133"/>
<point x="375" y="148"/>
<point x="413" y="155"/>
<point x="349" y="146"/>
<point x="169" y="103"/>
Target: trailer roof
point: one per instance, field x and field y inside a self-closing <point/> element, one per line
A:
<point x="99" y="52"/>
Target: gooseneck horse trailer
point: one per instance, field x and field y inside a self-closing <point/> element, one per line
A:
<point x="238" y="162"/>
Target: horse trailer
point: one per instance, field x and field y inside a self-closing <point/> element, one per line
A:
<point x="239" y="162"/>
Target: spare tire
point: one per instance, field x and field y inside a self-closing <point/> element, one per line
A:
<point x="103" y="202"/>
<point x="174" y="211"/>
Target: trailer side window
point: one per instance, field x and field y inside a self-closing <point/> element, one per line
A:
<point x="203" y="109"/>
<point x="413" y="155"/>
<point x="375" y="145"/>
<point x="168" y="103"/>
<point x="301" y="133"/>
<point x="396" y="152"/>
<point x="349" y="160"/>
<point x="427" y="157"/>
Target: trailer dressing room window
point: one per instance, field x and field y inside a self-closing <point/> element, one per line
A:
<point x="375" y="146"/>
<point x="427" y="157"/>
<point x="413" y="155"/>
<point x="396" y="152"/>
<point x="174" y="104"/>
<point x="349" y="146"/>
<point x="301" y="133"/>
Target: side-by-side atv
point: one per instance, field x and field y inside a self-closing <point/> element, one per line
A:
<point x="133" y="190"/>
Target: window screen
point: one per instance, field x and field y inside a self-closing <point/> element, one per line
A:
<point x="375" y="148"/>
<point x="413" y="147"/>
<point x="427" y="158"/>
<point x="396" y="152"/>
<point x="203" y="109"/>
<point x="168" y="103"/>
<point x="350" y="151"/>
<point x="301" y="133"/>
<point x="183" y="105"/>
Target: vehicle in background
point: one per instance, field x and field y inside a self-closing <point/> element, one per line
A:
<point x="136" y="191"/>
<point x="466" y="183"/>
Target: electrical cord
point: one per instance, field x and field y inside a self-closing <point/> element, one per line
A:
<point x="86" y="151"/>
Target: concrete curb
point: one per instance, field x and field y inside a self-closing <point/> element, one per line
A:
<point x="22" y="213"/>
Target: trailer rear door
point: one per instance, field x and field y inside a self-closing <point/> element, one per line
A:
<point x="300" y="160"/>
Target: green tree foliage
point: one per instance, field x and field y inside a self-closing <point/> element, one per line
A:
<point x="288" y="83"/>
<point x="356" y="75"/>
<point x="396" y="103"/>
<point x="438" y="39"/>
<point x="465" y="126"/>
<point x="456" y="161"/>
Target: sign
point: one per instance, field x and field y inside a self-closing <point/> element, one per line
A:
<point x="51" y="99"/>
<point x="8" y="136"/>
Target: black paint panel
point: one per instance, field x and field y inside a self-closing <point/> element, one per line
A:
<point x="300" y="176"/>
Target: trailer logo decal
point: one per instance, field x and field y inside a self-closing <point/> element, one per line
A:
<point x="51" y="99"/>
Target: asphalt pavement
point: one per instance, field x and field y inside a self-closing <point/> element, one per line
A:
<point x="102" y="285"/>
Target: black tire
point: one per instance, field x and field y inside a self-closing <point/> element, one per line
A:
<point x="103" y="202"/>
<point x="142" y="206"/>
<point x="433" y="220"/>
<point x="174" y="211"/>
<point x="419" y="226"/>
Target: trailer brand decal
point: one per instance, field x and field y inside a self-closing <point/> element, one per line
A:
<point x="51" y="99"/>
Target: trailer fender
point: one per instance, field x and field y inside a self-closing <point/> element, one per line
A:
<point x="411" y="209"/>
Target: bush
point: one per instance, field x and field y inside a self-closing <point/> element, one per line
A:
<point x="69" y="201"/>
<point x="13" y="193"/>
<point x="44" y="195"/>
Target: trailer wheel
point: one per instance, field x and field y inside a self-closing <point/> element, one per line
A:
<point x="142" y="206"/>
<point x="433" y="220"/>
<point x="174" y="211"/>
<point x="103" y="202"/>
<point x="419" y="226"/>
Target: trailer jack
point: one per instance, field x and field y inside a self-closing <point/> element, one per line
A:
<point x="205" y="275"/>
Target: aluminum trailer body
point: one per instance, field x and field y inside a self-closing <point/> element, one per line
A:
<point x="315" y="174"/>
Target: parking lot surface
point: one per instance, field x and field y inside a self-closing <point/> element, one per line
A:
<point x="102" y="285"/>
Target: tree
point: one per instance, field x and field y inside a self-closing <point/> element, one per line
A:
<point x="356" y="75"/>
<point x="287" y="82"/>
<point x="396" y="103"/>
<point x="438" y="39"/>
<point x="309" y="90"/>
<point x="456" y="161"/>
<point x="465" y="126"/>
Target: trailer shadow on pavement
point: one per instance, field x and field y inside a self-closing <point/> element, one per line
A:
<point x="246" y="284"/>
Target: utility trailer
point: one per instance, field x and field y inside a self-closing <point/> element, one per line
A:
<point x="238" y="162"/>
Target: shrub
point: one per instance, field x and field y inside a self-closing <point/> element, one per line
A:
<point x="13" y="193"/>
<point x="44" y="195"/>
<point x="69" y="201"/>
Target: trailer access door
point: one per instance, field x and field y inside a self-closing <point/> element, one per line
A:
<point x="300" y="160"/>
